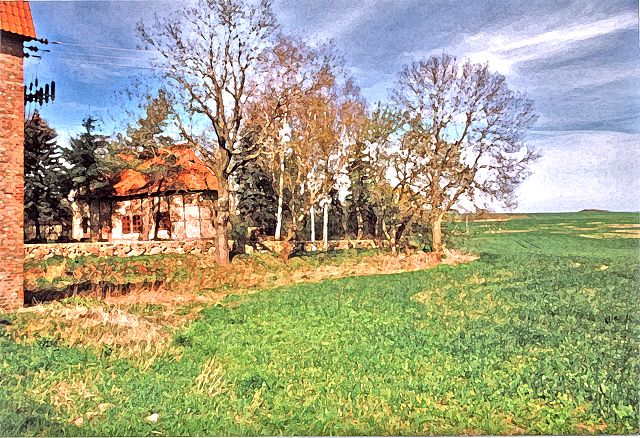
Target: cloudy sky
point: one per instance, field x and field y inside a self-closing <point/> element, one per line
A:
<point x="577" y="60"/>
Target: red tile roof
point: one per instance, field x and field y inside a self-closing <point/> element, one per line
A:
<point x="192" y="174"/>
<point x="15" y="17"/>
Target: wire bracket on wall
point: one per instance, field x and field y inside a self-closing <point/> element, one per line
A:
<point x="39" y="94"/>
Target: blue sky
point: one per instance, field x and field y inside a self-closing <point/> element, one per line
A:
<point x="577" y="60"/>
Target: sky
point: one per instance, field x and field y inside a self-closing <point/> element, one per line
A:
<point x="577" y="60"/>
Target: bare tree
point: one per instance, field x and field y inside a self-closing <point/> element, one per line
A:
<point x="466" y="128"/>
<point x="214" y="55"/>
<point x="295" y="73"/>
<point x="399" y="196"/>
<point x="322" y="140"/>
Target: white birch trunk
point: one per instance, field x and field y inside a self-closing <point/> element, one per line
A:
<point x="278" y="235"/>
<point x="312" y="214"/>
<point x="325" y="226"/>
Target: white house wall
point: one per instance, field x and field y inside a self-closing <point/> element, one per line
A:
<point x="190" y="216"/>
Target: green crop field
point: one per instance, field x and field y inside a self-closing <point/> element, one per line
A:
<point x="540" y="335"/>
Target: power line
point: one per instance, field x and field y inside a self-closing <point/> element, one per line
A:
<point x="100" y="47"/>
<point x="84" y="61"/>
<point x="98" y="56"/>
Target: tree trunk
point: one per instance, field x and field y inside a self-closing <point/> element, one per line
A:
<point x="325" y="226"/>
<point x="222" y="245"/>
<point x="394" y="241"/>
<point x="376" y="227"/>
<point x="38" y="237"/>
<point x="400" y="231"/>
<point x="278" y="234"/>
<point x="436" y="236"/>
<point x="156" y="218"/>
<point x="294" y="224"/>
<point x="94" y="220"/>
<point x="359" y="222"/>
<point x="345" y="223"/>
<point x="222" y="225"/>
<point x="391" y="238"/>
<point x="312" y="216"/>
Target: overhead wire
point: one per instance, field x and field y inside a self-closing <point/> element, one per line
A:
<point x="83" y="61"/>
<point x="97" y="55"/>
<point x="61" y="43"/>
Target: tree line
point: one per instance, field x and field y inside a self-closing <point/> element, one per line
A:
<point x="288" y="135"/>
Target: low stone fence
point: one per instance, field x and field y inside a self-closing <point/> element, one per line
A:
<point x="276" y="245"/>
<point x="118" y="249"/>
<point x="72" y="250"/>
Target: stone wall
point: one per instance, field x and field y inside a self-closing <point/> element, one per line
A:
<point x="11" y="171"/>
<point x="38" y="252"/>
<point x="72" y="250"/>
<point x="276" y="245"/>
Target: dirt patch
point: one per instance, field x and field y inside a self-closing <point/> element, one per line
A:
<point x="632" y="234"/>
<point x="616" y="234"/>
<point x="500" y="219"/>
<point x="623" y="226"/>
<point x="507" y="231"/>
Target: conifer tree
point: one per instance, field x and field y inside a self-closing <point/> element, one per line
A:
<point x="89" y="167"/>
<point x="147" y="140"/>
<point x="257" y="200"/>
<point x="44" y="185"/>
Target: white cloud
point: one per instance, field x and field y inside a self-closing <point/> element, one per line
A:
<point x="583" y="169"/>
<point x="350" y="18"/>
<point x="504" y="48"/>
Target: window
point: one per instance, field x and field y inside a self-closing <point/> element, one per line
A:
<point x="126" y="225"/>
<point x="137" y="223"/>
<point x="164" y="221"/>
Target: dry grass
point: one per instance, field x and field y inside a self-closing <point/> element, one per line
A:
<point x="75" y="397"/>
<point x="101" y="328"/>
<point x="211" y="282"/>
<point x="623" y="226"/>
<point x="211" y="381"/>
<point x="507" y="231"/>
<point x="119" y="327"/>
<point x="617" y="234"/>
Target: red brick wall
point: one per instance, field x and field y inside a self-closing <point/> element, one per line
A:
<point x="11" y="171"/>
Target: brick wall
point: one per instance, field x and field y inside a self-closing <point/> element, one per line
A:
<point x="11" y="171"/>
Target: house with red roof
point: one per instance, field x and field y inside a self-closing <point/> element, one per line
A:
<point x="16" y="27"/>
<point x="168" y="195"/>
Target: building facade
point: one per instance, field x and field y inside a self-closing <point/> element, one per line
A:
<point x="16" y="27"/>
<point x="152" y="201"/>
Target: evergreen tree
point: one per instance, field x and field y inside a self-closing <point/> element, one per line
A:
<point x="146" y="141"/>
<point x="148" y="135"/>
<point x="337" y="216"/>
<point x="90" y="165"/>
<point x="43" y="183"/>
<point x="257" y="200"/>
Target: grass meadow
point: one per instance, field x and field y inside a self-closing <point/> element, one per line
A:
<point x="540" y="335"/>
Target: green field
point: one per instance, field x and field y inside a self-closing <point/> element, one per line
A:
<point x="541" y="335"/>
